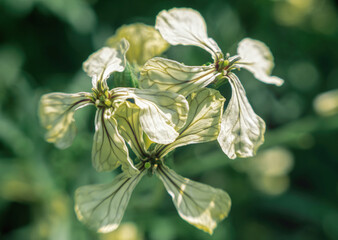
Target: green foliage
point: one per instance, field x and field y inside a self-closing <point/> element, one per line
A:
<point x="44" y="43"/>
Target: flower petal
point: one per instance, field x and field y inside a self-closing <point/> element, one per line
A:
<point x="56" y="112"/>
<point x="127" y="117"/>
<point x="242" y="131"/>
<point x="109" y="149"/>
<point x="168" y="75"/>
<point x="204" y="120"/>
<point x="102" y="206"/>
<point x="257" y="59"/>
<point x="145" y="42"/>
<point x="161" y="114"/>
<point x="186" y="26"/>
<point x="199" y="204"/>
<point x="105" y="61"/>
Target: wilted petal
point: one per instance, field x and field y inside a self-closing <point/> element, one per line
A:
<point x="242" y="131"/>
<point x="109" y="149"/>
<point x="127" y="117"/>
<point x="56" y="112"/>
<point x="186" y="26"/>
<point x="105" y="61"/>
<point x="258" y="59"/>
<point x="145" y="42"/>
<point x="197" y="203"/>
<point x="102" y="206"/>
<point x="203" y="123"/>
<point x="167" y="75"/>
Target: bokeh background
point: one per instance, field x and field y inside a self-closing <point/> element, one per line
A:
<point x="288" y="191"/>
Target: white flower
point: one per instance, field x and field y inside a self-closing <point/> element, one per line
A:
<point x="161" y="113"/>
<point x="242" y="130"/>
<point x="102" y="206"/>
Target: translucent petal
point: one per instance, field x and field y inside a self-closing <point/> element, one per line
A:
<point x="186" y="26"/>
<point x="145" y="42"/>
<point x="109" y="149"/>
<point x="242" y="131"/>
<point x="127" y="117"/>
<point x="102" y="206"/>
<point x="199" y="204"/>
<point x="203" y="123"/>
<point x="56" y="112"/>
<point x="161" y="112"/>
<point x="167" y="75"/>
<point x="258" y="60"/>
<point x="105" y="61"/>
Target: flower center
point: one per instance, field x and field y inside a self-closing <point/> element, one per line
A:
<point x="152" y="163"/>
<point x="226" y="65"/>
<point x="102" y="99"/>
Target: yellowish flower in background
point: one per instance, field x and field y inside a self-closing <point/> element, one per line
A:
<point x="161" y="113"/>
<point x="102" y="206"/>
<point x="145" y="42"/>
<point x="242" y="131"/>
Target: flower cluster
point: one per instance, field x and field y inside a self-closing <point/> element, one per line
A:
<point x="171" y="108"/>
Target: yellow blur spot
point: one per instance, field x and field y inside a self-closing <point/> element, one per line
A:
<point x="126" y="231"/>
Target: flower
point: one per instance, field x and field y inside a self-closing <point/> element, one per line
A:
<point x="242" y="131"/>
<point x="102" y="206"/>
<point x="161" y="112"/>
<point x="145" y="42"/>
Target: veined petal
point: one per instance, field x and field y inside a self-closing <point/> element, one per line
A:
<point x="127" y="117"/>
<point x="102" y="206"/>
<point x="105" y="61"/>
<point x="203" y="123"/>
<point x="168" y="75"/>
<point x="161" y="113"/>
<point x="109" y="149"/>
<point x="257" y="58"/>
<point x="145" y="42"/>
<point x="199" y="204"/>
<point x="242" y="131"/>
<point x="56" y="112"/>
<point x="186" y="26"/>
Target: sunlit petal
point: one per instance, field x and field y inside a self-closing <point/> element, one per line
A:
<point x="56" y="112"/>
<point x="186" y="26"/>
<point x="145" y="42"/>
<point x="199" y="204"/>
<point x="109" y="149"/>
<point x="242" y="131"/>
<point x="204" y="120"/>
<point x="258" y="59"/>
<point x="102" y="206"/>
<point x="168" y="75"/>
<point x="161" y="112"/>
<point x="105" y="61"/>
<point x="127" y="117"/>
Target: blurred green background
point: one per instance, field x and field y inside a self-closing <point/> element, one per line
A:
<point x="288" y="191"/>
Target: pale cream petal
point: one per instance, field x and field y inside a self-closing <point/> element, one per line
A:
<point x="145" y="42"/>
<point x="168" y="75"/>
<point x="56" y="112"/>
<point x="161" y="112"/>
<point x="257" y="58"/>
<point x="186" y="26"/>
<point x="102" y="206"/>
<point x="242" y="131"/>
<point x="109" y="149"/>
<point x="129" y="126"/>
<point x="203" y="123"/>
<point x="105" y="61"/>
<point x="199" y="204"/>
